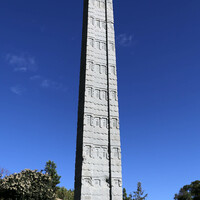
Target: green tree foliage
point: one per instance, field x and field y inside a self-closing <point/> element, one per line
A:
<point x="3" y="172"/>
<point x="189" y="192"/>
<point x="27" y="184"/>
<point x="64" y="194"/>
<point x="138" y="195"/>
<point x="125" y="196"/>
<point x="50" y="168"/>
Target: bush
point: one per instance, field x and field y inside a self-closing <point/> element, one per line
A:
<point x="64" y="194"/>
<point x="28" y="184"/>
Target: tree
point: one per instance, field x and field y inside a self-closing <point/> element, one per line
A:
<point x="50" y="168"/>
<point x="189" y="192"/>
<point x="124" y="194"/>
<point x="28" y="184"/>
<point x="125" y="197"/>
<point x="139" y="194"/>
<point x="3" y="172"/>
<point x="64" y="194"/>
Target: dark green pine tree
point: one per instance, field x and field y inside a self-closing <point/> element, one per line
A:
<point x="50" y="168"/>
<point x="125" y="197"/>
<point x="189" y="192"/>
<point x="139" y="194"/>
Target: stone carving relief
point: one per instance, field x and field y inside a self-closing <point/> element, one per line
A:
<point x="89" y="91"/>
<point x="89" y="120"/>
<point x="95" y="182"/>
<point x="100" y="24"/>
<point x="114" y="123"/>
<point x="112" y="46"/>
<point x="100" y="94"/>
<point x="95" y="152"/>
<point x="101" y="4"/>
<point x="88" y="151"/>
<point x="96" y="121"/>
<point x="101" y="45"/>
<point x="87" y="181"/>
<point x="91" y="42"/>
<point x="99" y="68"/>
<point x="116" y="152"/>
<point x="98" y="3"/>
<point x="97" y="93"/>
<point x="111" y="25"/>
<point x="90" y="65"/>
<point x="100" y="152"/>
<point x="113" y="95"/>
<point x="104" y="123"/>
<point x="103" y="69"/>
<point x="105" y="153"/>
<point x="117" y="182"/>
<point x="113" y="70"/>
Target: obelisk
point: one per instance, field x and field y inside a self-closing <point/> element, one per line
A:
<point x="98" y="173"/>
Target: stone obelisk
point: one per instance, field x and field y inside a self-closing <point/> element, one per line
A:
<point x="98" y="173"/>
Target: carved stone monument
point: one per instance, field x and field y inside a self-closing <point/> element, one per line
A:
<point x="98" y="173"/>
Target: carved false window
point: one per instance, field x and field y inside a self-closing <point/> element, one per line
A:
<point x="110" y="4"/>
<point x="88" y="181"/>
<point x="90" y="65"/>
<point x="105" y="153"/>
<point x="104" y="46"/>
<point x="97" y="94"/>
<point x="104" y="122"/>
<point x="103" y="69"/>
<point x="111" y="25"/>
<point x="97" y="182"/>
<point x="98" y="68"/>
<point x="98" y="3"/>
<point x="116" y="182"/>
<point x="89" y="92"/>
<point x="98" y="23"/>
<point x="113" y="70"/>
<point x="89" y="120"/>
<point x="92" y="92"/>
<point x="119" y="183"/>
<point x="103" y="4"/>
<point x="97" y="152"/>
<point x="104" y="95"/>
<point x="88" y="150"/>
<point x="114" y="95"/>
<point x="112" y="46"/>
<point x="98" y="45"/>
<point x="97" y="121"/>
<point x="114" y="121"/>
<point x="103" y="25"/>
<point x="91" y="42"/>
<point x="116" y="153"/>
<point x="92" y="20"/>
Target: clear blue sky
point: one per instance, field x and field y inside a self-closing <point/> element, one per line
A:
<point x="158" y="59"/>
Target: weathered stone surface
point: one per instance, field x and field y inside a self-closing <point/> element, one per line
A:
<point x="98" y="154"/>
